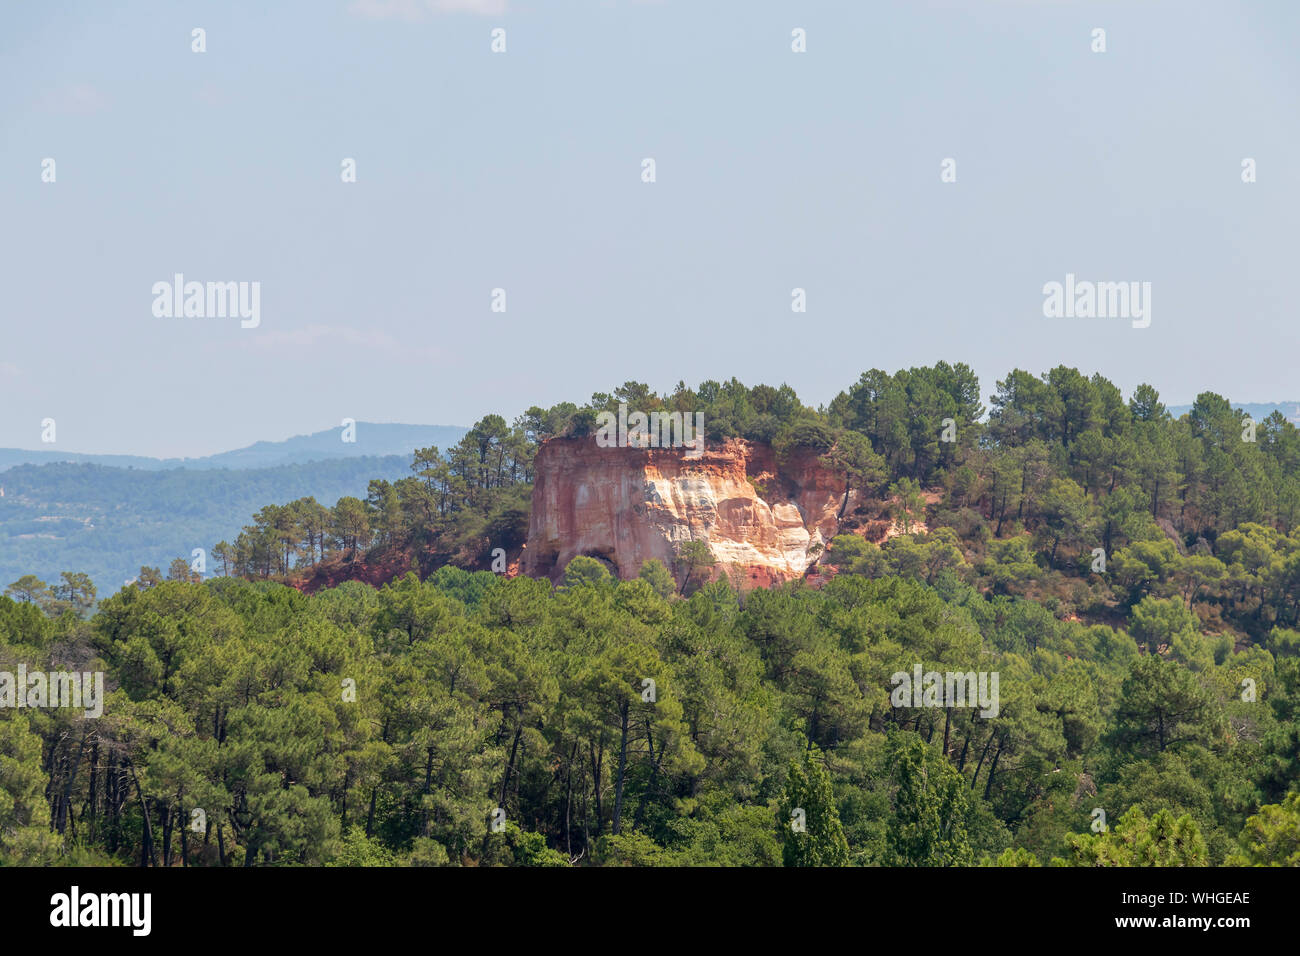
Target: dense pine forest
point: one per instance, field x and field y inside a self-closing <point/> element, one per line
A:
<point x="1133" y="579"/>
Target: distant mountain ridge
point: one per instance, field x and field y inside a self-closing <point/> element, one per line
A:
<point x="373" y="439"/>
<point x="77" y="516"/>
<point x="109" y="514"/>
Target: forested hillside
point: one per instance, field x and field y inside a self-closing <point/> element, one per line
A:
<point x="1132" y="580"/>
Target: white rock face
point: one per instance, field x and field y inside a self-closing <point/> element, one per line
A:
<point x="628" y="505"/>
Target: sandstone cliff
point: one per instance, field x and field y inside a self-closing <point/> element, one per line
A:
<point x="760" y="519"/>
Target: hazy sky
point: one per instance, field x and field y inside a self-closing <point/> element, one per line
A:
<point x="522" y="170"/>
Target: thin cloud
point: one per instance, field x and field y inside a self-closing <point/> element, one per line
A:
<point x="211" y="95"/>
<point x="81" y="98"/>
<point x="413" y="11"/>
<point x="331" y="336"/>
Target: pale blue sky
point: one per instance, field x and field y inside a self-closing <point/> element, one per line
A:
<point x="522" y="170"/>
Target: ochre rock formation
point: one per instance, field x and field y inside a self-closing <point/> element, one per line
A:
<point x="760" y="518"/>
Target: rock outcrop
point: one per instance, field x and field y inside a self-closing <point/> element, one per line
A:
<point x="762" y="520"/>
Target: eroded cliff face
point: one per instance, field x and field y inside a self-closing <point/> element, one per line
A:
<point x="628" y="505"/>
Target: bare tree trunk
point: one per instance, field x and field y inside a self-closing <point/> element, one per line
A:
<point x="146" y="848"/>
<point x="622" y="769"/>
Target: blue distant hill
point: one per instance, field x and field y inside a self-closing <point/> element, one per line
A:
<point x="109" y="514"/>
<point x="373" y="440"/>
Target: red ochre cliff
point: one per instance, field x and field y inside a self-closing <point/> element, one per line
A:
<point x="763" y="520"/>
